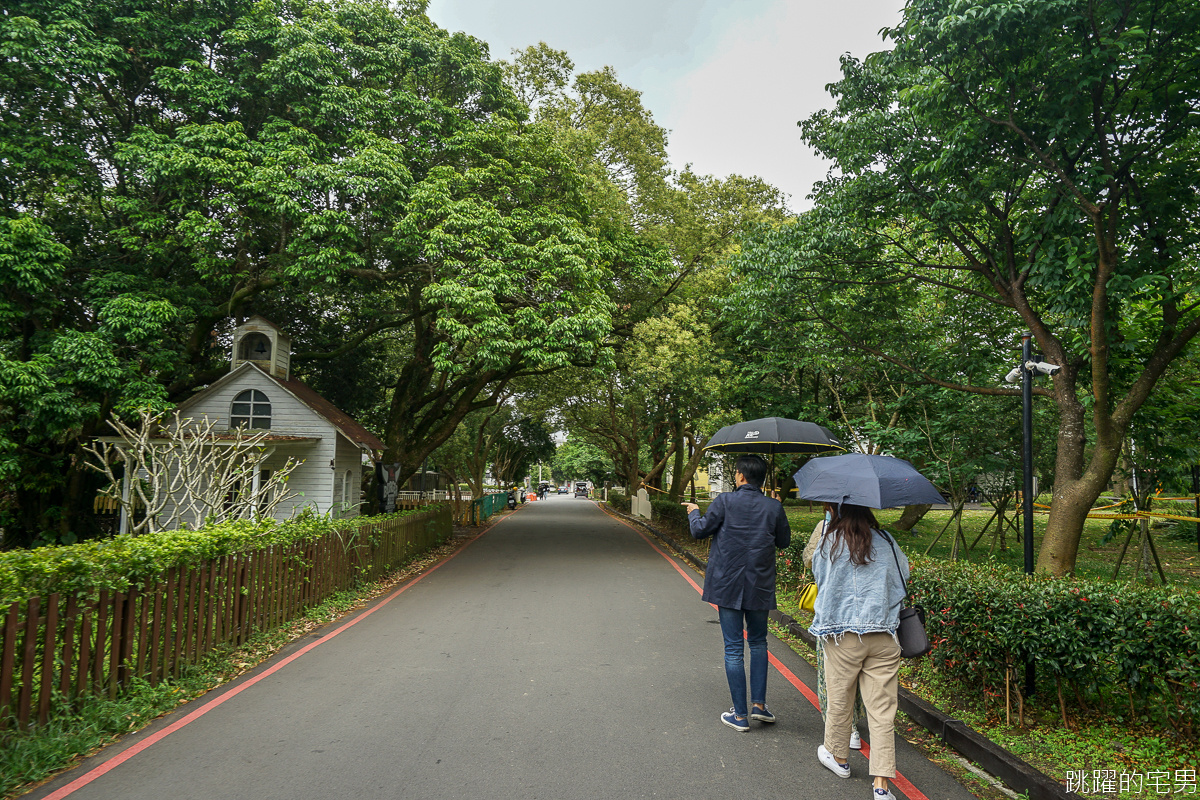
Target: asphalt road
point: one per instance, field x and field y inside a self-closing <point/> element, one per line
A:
<point x="559" y="655"/>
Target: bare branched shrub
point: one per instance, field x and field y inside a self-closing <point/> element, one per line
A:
<point x="184" y="472"/>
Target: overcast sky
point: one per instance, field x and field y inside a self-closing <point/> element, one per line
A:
<point x="728" y="78"/>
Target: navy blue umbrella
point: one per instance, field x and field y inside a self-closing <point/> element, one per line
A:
<point x="865" y="480"/>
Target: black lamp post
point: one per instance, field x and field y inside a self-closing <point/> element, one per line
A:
<point x="1027" y="450"/>
<point x="1196" y="492"/>
<point x="1025" y="373"/>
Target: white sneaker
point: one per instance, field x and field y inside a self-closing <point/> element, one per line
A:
<point x="855" y="740"/>
<point x="831" y="764"/>
<point x="885" y="795"/>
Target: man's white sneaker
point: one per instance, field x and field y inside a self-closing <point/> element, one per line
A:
<point x="882" y="794"/>
<point x="831" y="764"/>
<point x="855" y="741"/>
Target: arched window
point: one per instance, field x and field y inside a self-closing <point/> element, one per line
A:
<point x="250" y="409"/>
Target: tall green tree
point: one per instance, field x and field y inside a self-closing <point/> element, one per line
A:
<point x="1032" y="162"/>
<point x="524" y="441"/>
<point x="575" y="459"/>
<point x="169" y="168"/>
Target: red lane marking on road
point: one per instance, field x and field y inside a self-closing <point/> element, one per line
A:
<point x="900" y="782"/>
<point x="791" y="678"/>
<point x="158" y="736"/>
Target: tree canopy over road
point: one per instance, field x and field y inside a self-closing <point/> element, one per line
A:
<point x="470" y="253"/>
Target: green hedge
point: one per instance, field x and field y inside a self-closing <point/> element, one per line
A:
<point x="619" y="501"/>
<point x="1119" y="644"/>
<point x="116" y="564"/>
<point x="669" y="513"/>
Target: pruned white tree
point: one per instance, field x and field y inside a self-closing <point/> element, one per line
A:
<point x="183" y="472"/>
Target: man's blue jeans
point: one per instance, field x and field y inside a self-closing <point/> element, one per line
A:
<point x="735" y="671"/>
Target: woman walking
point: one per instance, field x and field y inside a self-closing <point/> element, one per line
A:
<point x="860" y="587"/>
<point x="860" y="712"/>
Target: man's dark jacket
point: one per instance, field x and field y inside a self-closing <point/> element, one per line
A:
<point x="746" y="527"/>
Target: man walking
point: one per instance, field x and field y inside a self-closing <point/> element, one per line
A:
<point x="747" y="527"/>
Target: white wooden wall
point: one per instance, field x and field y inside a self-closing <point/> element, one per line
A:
<point x="347" y="483"/>
<point x="313" y="482"/>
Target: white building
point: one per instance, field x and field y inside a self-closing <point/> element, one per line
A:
<point x="260" y="394"/>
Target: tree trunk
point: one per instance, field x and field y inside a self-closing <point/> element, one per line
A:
<point x="653" y="478"/>
<point x="1073" y="500"/>
<point x="911" y="516"/>
<point x="659" y="453"/>
<point x="1068" y="514"/>
<point x="427" y="406"/>
<point x="678" y="477"/>
<point x="693" y="463"/>
<point x="633" y="479"/>
<point x="1076" y="487"/>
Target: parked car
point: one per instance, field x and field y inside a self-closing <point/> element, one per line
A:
<point x="581" y="489"/>
<point x="564" y="489"/>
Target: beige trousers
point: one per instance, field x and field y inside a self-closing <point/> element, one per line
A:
<point x="870" y="663"/>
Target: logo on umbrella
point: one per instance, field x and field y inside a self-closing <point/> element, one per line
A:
<point x="751" y="434"/>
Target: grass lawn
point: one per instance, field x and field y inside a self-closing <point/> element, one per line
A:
<point x="1108" y="743"/>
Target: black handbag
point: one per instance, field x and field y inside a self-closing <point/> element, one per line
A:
<point x="911" y="634"/>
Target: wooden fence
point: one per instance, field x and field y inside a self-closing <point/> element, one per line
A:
<point x="56" y="649"/>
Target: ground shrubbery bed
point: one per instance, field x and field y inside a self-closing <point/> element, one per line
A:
<point x="1103" y="643"/>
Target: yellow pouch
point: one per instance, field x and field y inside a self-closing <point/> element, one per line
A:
<point x="808" y="596"/>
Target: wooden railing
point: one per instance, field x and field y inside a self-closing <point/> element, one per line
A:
<point x="56" y="649"/>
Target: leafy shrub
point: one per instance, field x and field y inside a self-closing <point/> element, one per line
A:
<point x="116" y="564"/>
<point x="1118" y="643"/>
<point x="1184" y="531"/>
<point x="619" y="501"/>
<point x="790" y="572"/>
<point x="669" y="514"/>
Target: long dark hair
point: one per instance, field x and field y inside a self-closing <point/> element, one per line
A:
<point x="851" y="526"/>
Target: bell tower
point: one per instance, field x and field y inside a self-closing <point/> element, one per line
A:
<point x="262" y="343"/>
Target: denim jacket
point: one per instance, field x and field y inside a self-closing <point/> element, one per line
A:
<point x="857" y="599"/>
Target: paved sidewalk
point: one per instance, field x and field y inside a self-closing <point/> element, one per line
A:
<point x="560" y="655"/>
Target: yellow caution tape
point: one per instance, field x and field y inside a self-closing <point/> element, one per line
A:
<point x="1171" y="516"/>
<point x="1044" y="509"/>
<point x="1135" y="515"/>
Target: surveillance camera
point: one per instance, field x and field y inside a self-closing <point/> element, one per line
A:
<point x="1042" y="367"/>
<point x="1014" y="376"/>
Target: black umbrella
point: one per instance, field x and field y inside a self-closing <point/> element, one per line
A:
<point x="774" y="435"/>
<point x="865" y="480"/>
<point x="771" y="435"/>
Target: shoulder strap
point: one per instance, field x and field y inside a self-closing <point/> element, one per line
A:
<point x="888" y="539"/>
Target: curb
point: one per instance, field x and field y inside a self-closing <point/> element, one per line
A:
<point x="1015" y="773"/>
